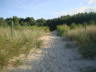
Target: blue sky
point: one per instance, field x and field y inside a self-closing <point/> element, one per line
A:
<point x="44" y="8"/>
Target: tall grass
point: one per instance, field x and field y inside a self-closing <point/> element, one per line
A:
<point x="85" y="37"/>
<point x="62" y="29"/>
<point x="20" y="41"/>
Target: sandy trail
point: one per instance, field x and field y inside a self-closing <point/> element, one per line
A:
<point x="57" y="55"/>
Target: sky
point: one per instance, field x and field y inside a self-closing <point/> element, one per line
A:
<point x="44" y="8"/>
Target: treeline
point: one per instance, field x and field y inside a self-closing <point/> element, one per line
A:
<point x="28" y="21"/>
<point x="80" y="18"/>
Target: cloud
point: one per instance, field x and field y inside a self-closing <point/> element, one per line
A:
<point x="91" y="1"/>
<point x="75" y="11"/>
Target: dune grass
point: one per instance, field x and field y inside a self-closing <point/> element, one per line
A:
<point x="85" y="38"/>
<point x="18" y="41"/>
<point x="62" y="29"/>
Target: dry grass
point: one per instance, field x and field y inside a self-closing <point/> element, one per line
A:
<point x="86" y="39"/>
<point x="18" y="41"/>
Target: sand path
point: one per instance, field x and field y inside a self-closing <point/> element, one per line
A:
<point x="57" y="55"/>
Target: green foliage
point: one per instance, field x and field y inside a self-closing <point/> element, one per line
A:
<point x="81" y="18"/>
<point x="62" y="29"/>
<point x="2" y="22"/>
<point x="41" y="22"/>
<point x="30" y="21"/>
<point x="78" y="19"/>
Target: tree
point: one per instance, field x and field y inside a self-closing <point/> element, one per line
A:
<point x="2" y="22"/>
<point x="41" y="22"/>
<point x="30" y="21"/>
<point x="9" y="21"/>
<point x="22" y="22"/>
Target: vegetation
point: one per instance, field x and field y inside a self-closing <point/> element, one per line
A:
<point x="18" y="41"/>
<point x="20" y="35"/>
<point x="62" y="29"/>
<point x="81" y="18"/>
<point x="85" y="37"/>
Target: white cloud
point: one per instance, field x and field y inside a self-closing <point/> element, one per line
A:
<point x="75" y="11"/>
<point x="91" y="1"/>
